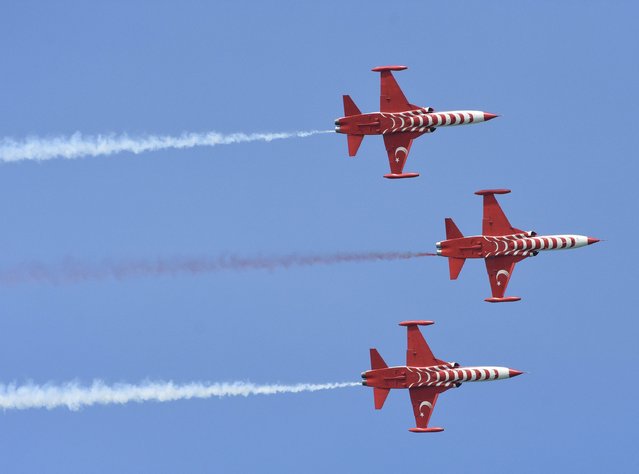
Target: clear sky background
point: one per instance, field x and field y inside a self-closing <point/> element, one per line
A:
<point x="564" y="77"/>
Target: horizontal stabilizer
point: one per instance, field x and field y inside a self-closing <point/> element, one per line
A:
<point x="354" y="141"/>
<point x="376" y="360"/>
<point x="452" y="231"/>
<point x="455" y="266"/>
<point x="380" y="395"/>
<point x="349" y="107"/>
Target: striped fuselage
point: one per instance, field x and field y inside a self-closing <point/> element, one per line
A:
<point x="446" y="376"/>
<point x="524" y="244"/>
<point x="421" y="120"/>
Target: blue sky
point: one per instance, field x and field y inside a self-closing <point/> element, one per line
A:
<point x="563" y="76"/>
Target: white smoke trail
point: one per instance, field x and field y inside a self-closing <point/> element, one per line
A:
<point x="73" y="270"/>
<point x="78" y="145"/>
<point x="75" y="396"/>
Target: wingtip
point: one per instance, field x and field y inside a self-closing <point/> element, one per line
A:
<point x="505" y="299"/>
<point x="421" y="322"/>
<point x="401" y="175"/>
<point x="434" y="429"/>
<point x="483" y="192"/>
<point x="388" y="68"/>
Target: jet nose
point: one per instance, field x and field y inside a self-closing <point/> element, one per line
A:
<point x="488" y="116"/>
<point x="514" y="373"/>
<point x="592" y="240"/>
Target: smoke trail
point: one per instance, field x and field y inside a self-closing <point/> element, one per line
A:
<point x="78" y="145"/>
<point x="75" y="396"/>
<point x="72" y="270"/>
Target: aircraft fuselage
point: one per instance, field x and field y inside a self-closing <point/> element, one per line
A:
<point x="420" y="120"/>
<point x="446" y="376"/>
<point x="525" y="244"/>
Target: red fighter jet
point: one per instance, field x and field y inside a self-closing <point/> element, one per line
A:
<point x="398" y="121"/>
<point x="500" y="245"/>
<point x="424" y="376"/>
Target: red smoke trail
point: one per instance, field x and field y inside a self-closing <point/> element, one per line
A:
<point x="72" y="270"/>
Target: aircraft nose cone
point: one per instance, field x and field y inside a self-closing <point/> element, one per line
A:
<point x="592" y="240"/>
<point x="514" y="373"/>
<point x="488" y="116"/>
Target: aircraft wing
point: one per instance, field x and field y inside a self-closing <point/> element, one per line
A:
<point x="500" y="269"/>
<point x="495" y="221"/>
<point x="418" y="354"/>
<point x="423" y="400"/>
<point x="398" y="147"/>
<point x="391" y="98"/>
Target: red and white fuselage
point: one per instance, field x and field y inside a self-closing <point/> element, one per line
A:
<point x="449" y="375"/>
<point x="420" y="120"/>
<point x="525" y="244"/>
<point x="501" y="245"/>
<point x="424" y="376"/>
<point x="398" y="121"/>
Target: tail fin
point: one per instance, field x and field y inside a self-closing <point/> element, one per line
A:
<point x="380" y="395"/>
<point x="349" y="107"/>
<point x="354" y="141"/>
<point x="452" y="232"/>
<point x="455" y="266"/>
<point x="376" y="360"/>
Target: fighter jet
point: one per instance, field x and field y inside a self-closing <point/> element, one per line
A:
<point x="500" y="245"/>
<point x="424" y="376"/>
<point x="398" y="121"/>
